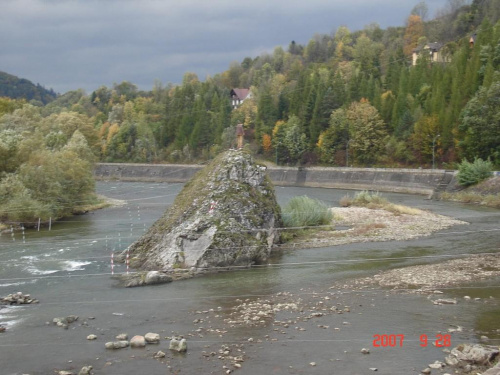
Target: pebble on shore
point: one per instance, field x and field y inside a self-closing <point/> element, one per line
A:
<point x="18" y="299"/>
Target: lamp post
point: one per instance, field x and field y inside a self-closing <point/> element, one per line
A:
<point x="433" y="149"/>
<point x="347" y="153"/>
<point x="277" y="145"/>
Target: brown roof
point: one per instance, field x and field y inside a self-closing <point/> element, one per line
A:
<point x="240" y="93"/>
<point x="434" y="47"/>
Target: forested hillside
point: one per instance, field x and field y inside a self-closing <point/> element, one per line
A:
<point x="20" y="88"/>
<point x="349" y="97"/>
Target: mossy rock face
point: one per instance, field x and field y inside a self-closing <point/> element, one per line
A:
<point x="226" y="215"/>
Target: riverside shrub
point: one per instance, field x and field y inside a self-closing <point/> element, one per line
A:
<point x="304" y="211"/>
<point x="473" y="173"/>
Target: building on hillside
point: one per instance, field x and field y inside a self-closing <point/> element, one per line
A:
<point x="238" y="96"/>
<point x="433" y="51"/>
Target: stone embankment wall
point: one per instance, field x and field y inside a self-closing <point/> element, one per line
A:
<point x="417" y="181"/>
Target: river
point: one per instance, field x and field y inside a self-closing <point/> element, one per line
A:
<point x="69" y="270"/>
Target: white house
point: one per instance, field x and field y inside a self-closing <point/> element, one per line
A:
<point x="238" y="96"/>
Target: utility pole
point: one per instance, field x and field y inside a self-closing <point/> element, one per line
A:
<point x="277" y="145"/>
<point x="347" y="153"/>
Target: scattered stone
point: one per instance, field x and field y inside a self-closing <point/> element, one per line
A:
<point x="145" y="278"/>
<point x="494" y="370"/>
<point x="437" y="365"/>
<point x="445" y="301"/>
<point x="426" y="371"/>
<point x="116" y="344"/>
<point x="18" y="299"/>
<point x="65" y="373"/>
<point x="86" y="370"/>
<point x="373" y="369"/>
<point x="457" y="329"/>
<point x="152" y="338"/>
<point x="472" y="354"/>
<point x="122" y="337"/>
<point x="157" y="277"/>
<point x="91" y="337"/>
<point x="467" y="298"/>
<point x="178" y="345"/>
<point x="159" y="354"/>
<point x="137" y="342"/>
<point x="313" y="364"/>
<point x="485" y="338"/>
<point x="3" y="328"/>
<point x="65" y="322"/>
<point x="365" y="351"/>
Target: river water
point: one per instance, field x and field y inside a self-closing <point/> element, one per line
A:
<point x="68" y="269"/>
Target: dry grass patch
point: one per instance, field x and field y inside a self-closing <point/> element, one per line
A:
<point x="367" y="229"/>
<point x="490" y="200"/>
<point x="375" y="201"/>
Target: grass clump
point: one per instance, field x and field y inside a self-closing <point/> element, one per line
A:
<point x="376" y="201"/>
<point x="364" y="199"/>
<point x="473" y="173"/>
<point x="489" y="200"/>
<point x="304" y="211"/>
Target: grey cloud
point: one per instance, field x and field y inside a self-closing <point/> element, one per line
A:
<point x="68" y="44"/>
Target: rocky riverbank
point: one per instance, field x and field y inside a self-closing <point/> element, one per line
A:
<point x="368" y="225"/>
<point x="428" y="277"/>
<point x="486" y="193"/>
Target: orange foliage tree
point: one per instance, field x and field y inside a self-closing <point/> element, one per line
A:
<point x="266" y="143"/>
<point x="414" y="30"/>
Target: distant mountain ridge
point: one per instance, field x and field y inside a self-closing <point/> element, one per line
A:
<point x="21" y="88"/>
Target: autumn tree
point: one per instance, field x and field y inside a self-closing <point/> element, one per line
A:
<point x="414" y="30"/>
<point x="333" y="142"/>
<point x="266" y="143"/>
<point x="367" y="132"/>
<point x="426" y="135"/>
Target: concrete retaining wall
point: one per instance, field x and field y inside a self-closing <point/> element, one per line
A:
<point x="418" y="181"/>
<point x="146" y="172"/>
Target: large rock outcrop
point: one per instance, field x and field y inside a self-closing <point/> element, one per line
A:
<point x="225" y="216"/>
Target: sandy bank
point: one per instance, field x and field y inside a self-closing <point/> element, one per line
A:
<point x="368" y="225"/>
<point x="445" y="274"/>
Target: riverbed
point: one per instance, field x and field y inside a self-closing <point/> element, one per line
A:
<point x="69" y="270"/>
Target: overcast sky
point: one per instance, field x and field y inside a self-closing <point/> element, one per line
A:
<point x="71" y="44"/>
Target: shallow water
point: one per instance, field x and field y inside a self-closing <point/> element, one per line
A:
<point x="68" y="270"/>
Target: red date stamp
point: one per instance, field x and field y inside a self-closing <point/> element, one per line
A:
<point x="392" y="340"/>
